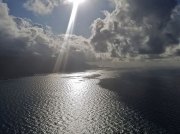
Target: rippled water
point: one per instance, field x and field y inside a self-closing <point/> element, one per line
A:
<point x="67" y="103"/>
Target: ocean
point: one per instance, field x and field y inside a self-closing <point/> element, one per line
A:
<point x="127" y="101"/>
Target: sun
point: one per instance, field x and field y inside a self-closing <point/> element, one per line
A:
<point x="76" y="1"/>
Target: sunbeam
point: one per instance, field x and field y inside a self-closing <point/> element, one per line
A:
<point x="63" y="55"/>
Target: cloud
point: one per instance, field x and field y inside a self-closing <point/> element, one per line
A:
<point x="26" y="47"/>
<point x="19" y="36"/>
<point x="32" y="37"/>
<point x="41" y="7"/>
<point x="137" y="28"/>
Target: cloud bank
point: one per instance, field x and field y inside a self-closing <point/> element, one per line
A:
<point x="138" y="28"/>
<point x="19" y="36"/>
<point x="26" y="47"/>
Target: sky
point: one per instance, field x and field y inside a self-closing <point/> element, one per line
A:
<point x="58" y="17"/>
<point x="33" y="32"/>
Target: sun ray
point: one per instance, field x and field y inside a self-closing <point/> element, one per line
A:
<point x="64" y="53"/>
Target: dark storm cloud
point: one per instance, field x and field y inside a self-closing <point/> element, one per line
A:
<point x="138" y="27"/>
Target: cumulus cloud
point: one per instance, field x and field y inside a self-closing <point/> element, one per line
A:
<point x="32" y="47"/>
<point x="139" y="29"/>
<point x="41" y="7"/>
<point x="33" y="37"/>
<point x="18" y="35"/>
<point x="145" y="28"/>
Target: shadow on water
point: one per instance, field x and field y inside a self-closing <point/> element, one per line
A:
<point x="154" y="93"/>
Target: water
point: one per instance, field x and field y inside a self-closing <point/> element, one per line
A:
<point x="76" y="103"/>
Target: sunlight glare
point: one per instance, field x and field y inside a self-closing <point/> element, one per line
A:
<point x="76" y="1"/>
<point x="63" y="55"/>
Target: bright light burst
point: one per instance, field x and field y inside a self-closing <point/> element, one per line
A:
<point x="76" y="1"/>
<point x="63" y="56"/>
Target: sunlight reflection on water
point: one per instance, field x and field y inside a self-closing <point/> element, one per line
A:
<point x="66" y="103"/>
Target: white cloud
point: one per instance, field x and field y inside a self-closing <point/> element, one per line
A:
<point x="21" y="36"/>
<point x="41" y="7"/>
<point x="123" y="34"/>
<point x="137" y="28"/>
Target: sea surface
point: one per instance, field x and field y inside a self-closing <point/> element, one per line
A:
<point x="127" y="101"/>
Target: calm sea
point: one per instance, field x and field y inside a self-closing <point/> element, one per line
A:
<point x="92" y="102"/>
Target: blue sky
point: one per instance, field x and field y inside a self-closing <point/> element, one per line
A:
<point x="59" y="17"/>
